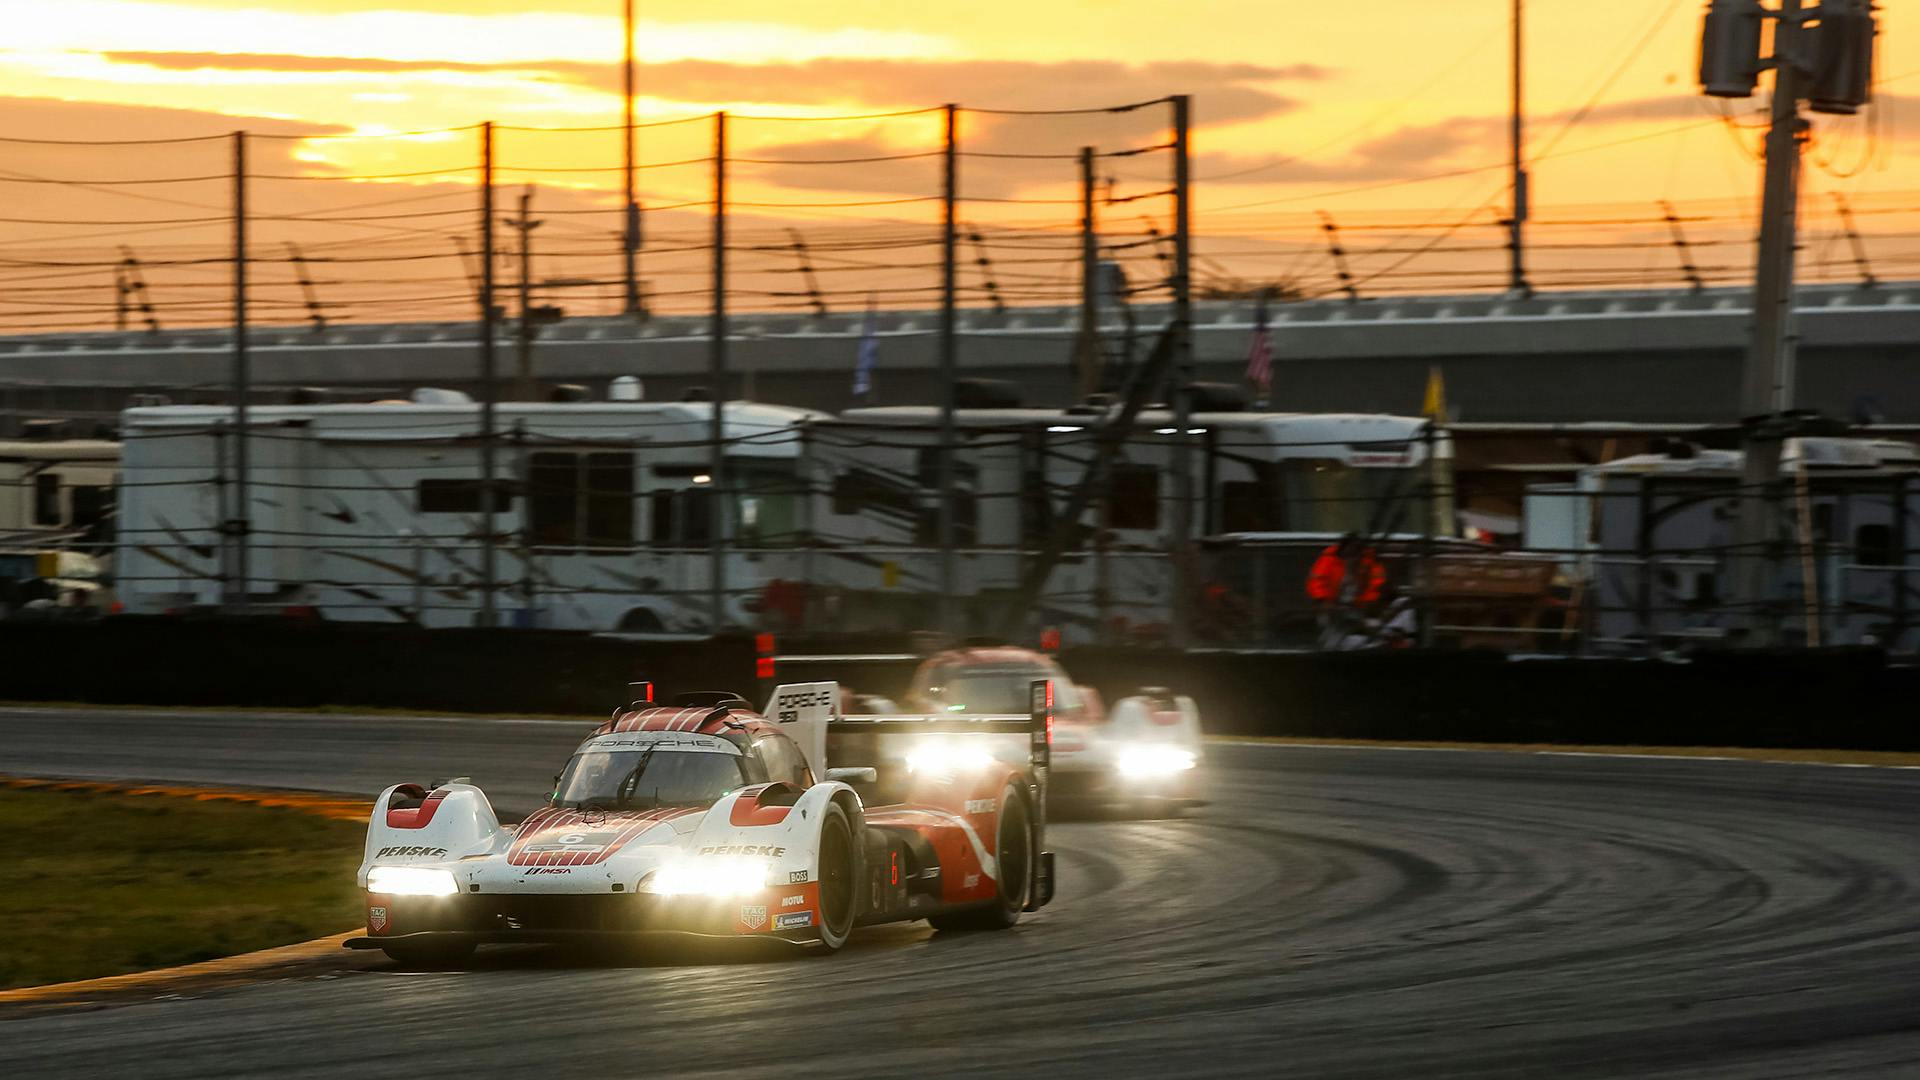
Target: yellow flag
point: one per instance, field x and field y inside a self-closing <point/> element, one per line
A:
<point x="1436" y="401"/>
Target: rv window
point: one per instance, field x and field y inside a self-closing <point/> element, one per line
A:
<point x="680" y="517"/>
<point x="552" y="499"/>
<point x="858" y="491"/>
<point x="580" y="500"/>
<point x="1248" y="506"/>
<point x="46" y="499"/>
<point x="767" y="501"/>
<point x="1136" y="497"/>
<point x="608" y="520"/>
<point x="90" y="502"/>
<point x="448" y="496"/>
<point x="1873" y="546"/>
<point x="927" y="469"/>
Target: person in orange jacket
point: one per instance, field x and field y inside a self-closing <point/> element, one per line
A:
<point x="1330" y="584"/>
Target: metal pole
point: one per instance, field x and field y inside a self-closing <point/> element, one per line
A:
<point x="1090" y="351"/>
<point x="717" y="376"/>
<point x="523" y="346"/>
<point x="1516" y="225"/>
<point x="949" y="368"/>
<point x="488" y="391"/>
<point x="1183" y="492"/>
<point x="1767" y="384"/>
<point x="630" y="239"/>
<point x="240" y="525"/>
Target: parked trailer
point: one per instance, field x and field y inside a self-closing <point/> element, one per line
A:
<point x="55" y="491"/>
<point x="1652" y="538"/>
<point x="1296" y="479"/>
<point x="372" y="512"/>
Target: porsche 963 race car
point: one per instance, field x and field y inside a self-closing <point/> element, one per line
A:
<point x="706" y="817"/>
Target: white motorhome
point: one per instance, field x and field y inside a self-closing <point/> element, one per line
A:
<point x="54" y="491"/>
<point x="373" y="511"/>
<point x="1269" y="489"/>
<point x="1652" y="535"/>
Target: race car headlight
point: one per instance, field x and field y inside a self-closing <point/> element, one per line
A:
<point x="411" y="881"/>
<point x="710" y="876"/>
<point x="949" y="758"/>
<point x="1145" y="762"/>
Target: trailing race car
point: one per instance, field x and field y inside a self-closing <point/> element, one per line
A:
<point x="705" y="817"/>
<point x="1142" y="751"/>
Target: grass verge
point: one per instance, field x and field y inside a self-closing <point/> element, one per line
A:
<point x="102" y="884"/>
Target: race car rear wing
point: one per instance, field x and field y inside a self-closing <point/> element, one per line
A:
<point x="811" y="711"/>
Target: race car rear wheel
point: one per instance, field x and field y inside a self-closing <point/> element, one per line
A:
<point x="429" y="955"/>
<point x="1014" y="862"/>
<point x="839" y="878"/>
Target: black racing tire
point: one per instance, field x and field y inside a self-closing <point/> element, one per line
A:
<point x="840" y="877"/>
<point x="1013" y="848"/>
<point x="429" y="955"/>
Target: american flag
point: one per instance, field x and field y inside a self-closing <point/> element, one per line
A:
<point x="1260" y="351"/>
<point x="868" y="356"/>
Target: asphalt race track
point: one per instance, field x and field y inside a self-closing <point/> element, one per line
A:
<point x="1332" y="913"/>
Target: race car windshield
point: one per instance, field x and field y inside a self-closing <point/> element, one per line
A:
<point x="641" y="779"/>
<point x="983" y="691"/>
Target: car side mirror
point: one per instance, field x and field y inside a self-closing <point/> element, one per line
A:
<point x="865" y="774"/>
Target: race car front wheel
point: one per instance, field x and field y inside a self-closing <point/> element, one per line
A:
<point x="1013" y="856"/>
<point x="429" y="955"/>
<point x="839" y="878"/>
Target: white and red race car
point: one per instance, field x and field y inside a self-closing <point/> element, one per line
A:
<point x="1141" y="751"/>
<point x="705" y="817"/>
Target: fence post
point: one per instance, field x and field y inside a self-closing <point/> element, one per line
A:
<point x="1182" y="607"/>
<point x="717" y="375"/>
<point x="238" y="526"/>
<point x="489" y="501"/>
<point x="949" y="369"/>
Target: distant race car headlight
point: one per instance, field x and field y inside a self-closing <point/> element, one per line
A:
<point x="949" y="758"/>
<point x="1147" y="762"/>
<point x="411" y="881"/>
<point x="710" y="876"/>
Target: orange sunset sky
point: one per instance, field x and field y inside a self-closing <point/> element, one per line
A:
<point x="1387" y="114"/>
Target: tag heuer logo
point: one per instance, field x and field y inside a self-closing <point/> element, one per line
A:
<point x="376" y="919"/>
<point x="753" y="917"/>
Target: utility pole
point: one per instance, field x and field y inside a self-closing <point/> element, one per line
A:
<point x="1833" y="66"/>
<point x="523" y="389"/>
<point x="239" y="526"/>
<point x="630" y="235"/>
<point x="1183" y="486"/>
<point x="1516" y="224"/>
<point x="949" y="368"/>
<point x="489" y="391"/>
<point x="1090" y="358"/>
<point x="717" y="376"/>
